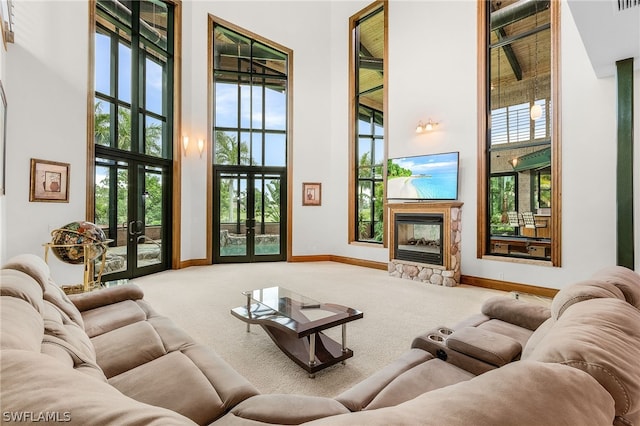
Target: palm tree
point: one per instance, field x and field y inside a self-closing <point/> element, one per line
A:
<point x="229" y="152"/>
<point x="272" y="208"/>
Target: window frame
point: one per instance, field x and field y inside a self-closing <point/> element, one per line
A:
<point x="354" y="136"/>
<point x="483" y="223"/>
<point x="170" y="149"/>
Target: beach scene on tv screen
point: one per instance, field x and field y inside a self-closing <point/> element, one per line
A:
<point x="426" y="177"/>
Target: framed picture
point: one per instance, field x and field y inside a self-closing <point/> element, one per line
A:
<point x="49" y="181"/>
<point x="311" y="194"/>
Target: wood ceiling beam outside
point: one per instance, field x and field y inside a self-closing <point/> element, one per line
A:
<point x="510" y="54"/>
<point x="508" y="15"/>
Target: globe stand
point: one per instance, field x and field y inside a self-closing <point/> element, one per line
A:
<point x="88" y="282"/>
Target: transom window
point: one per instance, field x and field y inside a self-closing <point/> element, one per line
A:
<point x="250" y="101"/>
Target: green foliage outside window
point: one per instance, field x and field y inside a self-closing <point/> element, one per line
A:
<point x="153" y="184"/>
<point x="502" y="200"/>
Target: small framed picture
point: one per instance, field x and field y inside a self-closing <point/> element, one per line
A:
<point x="311" y="194"/>
<point x="49" y="181"/>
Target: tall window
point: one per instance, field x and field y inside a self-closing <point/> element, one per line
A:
<point x="519" y="143"/>
<point x="133" y="77"/>
<point x="368" y="146"/>
<point x="133" y="132"/>
<point x="250" y="125"/>
<point x="250" y="135"/>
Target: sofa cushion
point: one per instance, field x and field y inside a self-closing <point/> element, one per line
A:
<point x="536" y="338"/>
<point x="38" y="269"/>
<point x="35" y="385"/>
<point x="127" y="347"/>
<point x="194" y="382"/>
<point x="282" y="409"/>
<point x="58" y="324"/>
<point x="425" y="377"/>
<point x="599" y="336"/>
<point x="70" y="357"/>
<point x="581" y="291"/>
<point x="19" y="285"/>
<point x="173" y="337"/>
<point x="522" y="393"/>
<point x="359" y="396"/>
<point x="31" y="265"/>
<point x="518" y="312"/>
<point x="21" y="326"/>
<point x="625" y="279"/>
<point x="106" y="318"/>
<point x="56" y="296"/>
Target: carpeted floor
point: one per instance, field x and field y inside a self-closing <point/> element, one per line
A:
<point x="395" y="310"/>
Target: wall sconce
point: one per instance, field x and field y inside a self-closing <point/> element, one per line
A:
<point x="200" y="146"/>
<point x="426" y="127"/>
<point x="185" y="145"/>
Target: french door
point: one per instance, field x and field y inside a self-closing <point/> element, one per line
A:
<point x="250" y="214"/>
<point x="132" y="199"/>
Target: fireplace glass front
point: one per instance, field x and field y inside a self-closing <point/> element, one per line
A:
<point x="418" y="238"/>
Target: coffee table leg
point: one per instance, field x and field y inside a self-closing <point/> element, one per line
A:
<point x="344" y="340"/>
<point x="248" y="294"/>
<point x="312" y="353"/>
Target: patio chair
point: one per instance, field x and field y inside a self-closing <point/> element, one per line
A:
<point x="515" y="221"/>
<point x="530" y="223"/>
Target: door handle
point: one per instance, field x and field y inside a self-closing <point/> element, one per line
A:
<point x="135" y="227"/>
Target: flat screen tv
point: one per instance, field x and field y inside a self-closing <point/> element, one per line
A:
<point x="423" y="177"/>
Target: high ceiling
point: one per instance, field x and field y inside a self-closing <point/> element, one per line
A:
<point x="609" y="33"/>
<point x="371" y="77"/>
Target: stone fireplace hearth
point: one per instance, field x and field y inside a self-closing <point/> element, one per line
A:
<point x="424" y="243"/>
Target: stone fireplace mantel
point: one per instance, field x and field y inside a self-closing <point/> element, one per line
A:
<point x="447" y="274"/>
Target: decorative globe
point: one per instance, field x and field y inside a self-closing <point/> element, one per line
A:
<point x="71" y="239"/>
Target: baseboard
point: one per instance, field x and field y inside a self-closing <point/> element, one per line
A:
<point x="194" y="262"/>
<point x="310" y="258"/>
<point x="340" y="259"/>
<point x="464" y="279"/>
<point x="508" y="286"/>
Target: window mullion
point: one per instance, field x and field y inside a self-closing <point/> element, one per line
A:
<point x="136" y="57"/>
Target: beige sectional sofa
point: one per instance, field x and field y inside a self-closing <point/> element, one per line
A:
<point x="106" y="357"/>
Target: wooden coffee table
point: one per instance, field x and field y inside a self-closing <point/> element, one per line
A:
<point x="295" y="323"/>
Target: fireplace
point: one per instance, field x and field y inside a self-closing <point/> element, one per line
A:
<point x="426" y="241"/>
<point x="418" y="238"/>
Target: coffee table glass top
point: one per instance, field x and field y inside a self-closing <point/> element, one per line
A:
<point x="293" y="305"/>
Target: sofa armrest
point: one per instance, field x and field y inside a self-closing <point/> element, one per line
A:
<point x="435" y="342"/>
<point x="107" y="296"/>
<point x="492" y="348"/>
<point x="517" y="312"/>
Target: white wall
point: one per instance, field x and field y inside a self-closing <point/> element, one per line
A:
<point x="46" y="87"/>
<point x="3" y="204"/>
<point x="432" y="73"/>
<point x="304" y="28"/>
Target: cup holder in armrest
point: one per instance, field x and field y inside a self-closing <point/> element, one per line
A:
<point x="436" y="338"/>
<point x="439" y="335"/>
